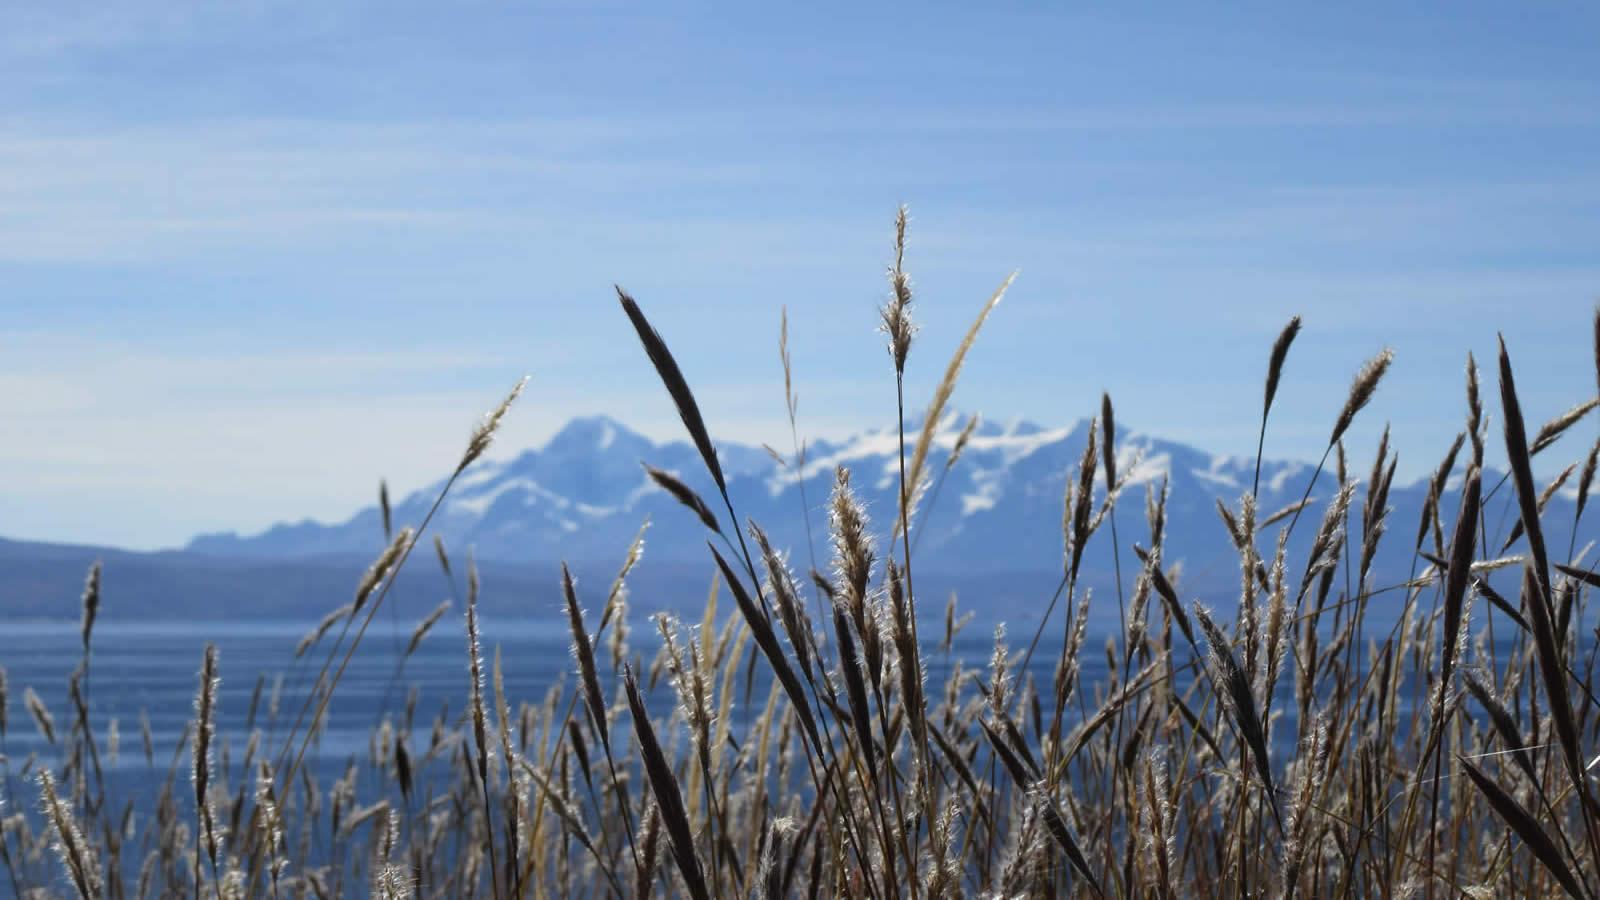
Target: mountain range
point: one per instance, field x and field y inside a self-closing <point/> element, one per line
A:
<point x="584" y="495"/>
<point x="991" y="531"/>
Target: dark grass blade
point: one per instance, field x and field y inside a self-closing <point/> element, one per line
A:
<point x="583" y="649"/>
<point x="958" y="763"/>
<point x="1551" y="665"/>
<point x="1108" y="440"/>
<point x="1008" y="757"/>
<point x="1587" y="576"/>
<point x="1500" y="602"/>
<point x="1459" y="575"/>
<point x="1522" y="474"/>
<point x="1527" y="828"/>
<point x="1014" y="735"/>
<point x="683" y="494"/>
<point x="855" y="688"/>
<point x="1553" y="671"/>
<point x="1232" y="680"/>
<point x="1280" y="353"/>
<point x="1544" y="636"/>
<point x="1169" y="598"/>
<point x="767" y="640"/>
<point x="580" y="752"/>
<point x="665" y="786"/>
<point x="677" y="386"/>
<point x="1504" y="724"/>
<point x="1059" y="831"/>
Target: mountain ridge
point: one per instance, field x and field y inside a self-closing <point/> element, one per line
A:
<point x="584" y="496"/>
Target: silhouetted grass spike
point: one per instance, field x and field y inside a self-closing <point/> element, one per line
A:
<point x="677" y="387"/>
<point x="664" y="785"/>
<point x="1526" y="827"/>
<point x="683" y="494"/>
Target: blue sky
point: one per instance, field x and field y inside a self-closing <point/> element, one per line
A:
<point x="253" y="257"/>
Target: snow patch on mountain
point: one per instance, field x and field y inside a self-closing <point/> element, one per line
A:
<point x="477" y="502"/>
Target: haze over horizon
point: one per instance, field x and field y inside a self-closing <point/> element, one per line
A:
<point x="257" y="257"/>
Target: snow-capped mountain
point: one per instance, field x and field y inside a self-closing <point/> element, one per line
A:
<point x="583" y="497"/>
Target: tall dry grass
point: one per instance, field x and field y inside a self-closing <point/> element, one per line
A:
<point x="1288" y="746"/>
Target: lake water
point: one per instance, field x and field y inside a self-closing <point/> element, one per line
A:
<point x="152" y="669"/>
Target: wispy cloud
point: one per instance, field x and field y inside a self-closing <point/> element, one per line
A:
<point x="179" y="192"/>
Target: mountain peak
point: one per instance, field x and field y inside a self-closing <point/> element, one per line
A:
<point x="593" y="434"/>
